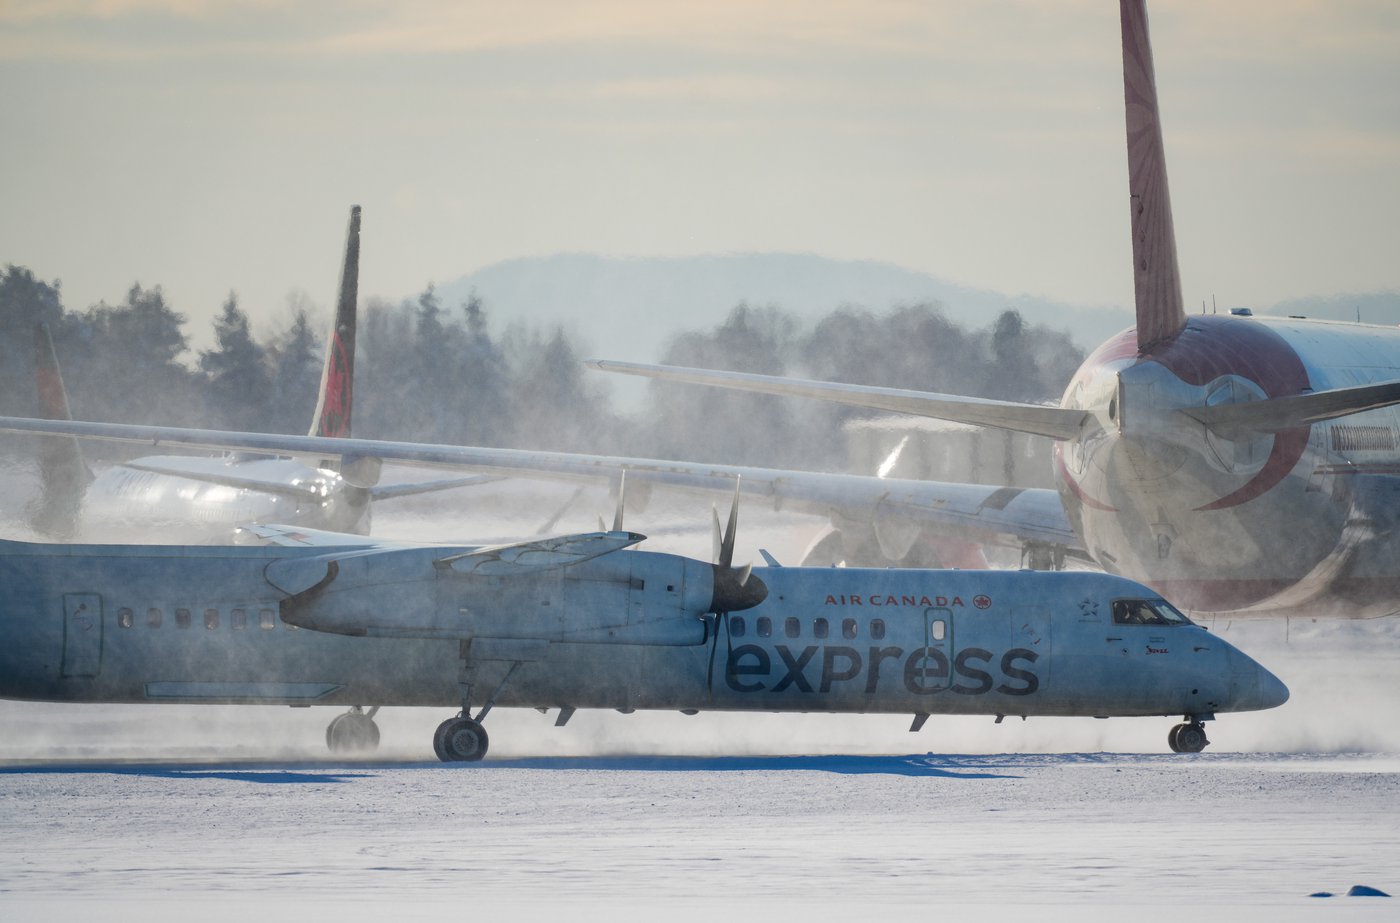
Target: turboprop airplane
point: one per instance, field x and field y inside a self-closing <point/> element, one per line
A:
<point x="185" y="498"/>
<point x="580" y="622"/>
<point x="1237" y="465"/>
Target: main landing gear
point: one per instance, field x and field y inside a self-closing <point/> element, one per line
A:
<point x="1188" y="737"/>
<point x="353" y="732"/>
<point x="461" y="738"/>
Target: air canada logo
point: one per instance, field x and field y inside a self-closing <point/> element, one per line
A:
<point x="982" y="602"/>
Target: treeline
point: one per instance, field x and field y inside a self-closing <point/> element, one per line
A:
<point x="431" y="372"/>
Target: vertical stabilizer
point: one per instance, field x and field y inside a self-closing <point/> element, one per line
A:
<point x="1157" y="282"/>
<point x="337" y="377"/>
<point x="63" y="474"/>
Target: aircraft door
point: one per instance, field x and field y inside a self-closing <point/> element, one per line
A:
<point x="935" y="671"/>
<point x="82" y="634"/>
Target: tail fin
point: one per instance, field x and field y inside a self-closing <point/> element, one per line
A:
<point x="1157" y="282"/>
<point x="333" y="405"/>
<point x="63" y="474"/>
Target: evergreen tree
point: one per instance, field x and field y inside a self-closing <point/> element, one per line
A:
<point x="25" y="302"/>
<point x="295" y="359"/>
<point x="239" y="386"/>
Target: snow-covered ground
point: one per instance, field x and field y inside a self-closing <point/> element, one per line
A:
<point x="1077" y="836"/>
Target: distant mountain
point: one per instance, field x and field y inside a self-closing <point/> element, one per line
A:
<point x="630" y="308"/>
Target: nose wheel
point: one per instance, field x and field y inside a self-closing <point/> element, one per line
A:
<point x="1187" y="737"/>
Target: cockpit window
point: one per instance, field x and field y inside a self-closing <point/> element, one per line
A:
<point x="1146" y="612"/>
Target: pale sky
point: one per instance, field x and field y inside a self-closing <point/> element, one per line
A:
<point x="209" y="146"/>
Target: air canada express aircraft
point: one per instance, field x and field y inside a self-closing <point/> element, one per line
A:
<point x="1234" y="464"/>
<point x="580" y="622"/>
<point x="176" y="498"/>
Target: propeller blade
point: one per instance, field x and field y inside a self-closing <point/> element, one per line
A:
<point x="621" y="501"/>
<point x="716" y="541"/>
<point x="726" y="551"/>
<point x="745" y="573"/>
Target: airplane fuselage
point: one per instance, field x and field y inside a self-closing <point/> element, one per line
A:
<point x="86" y="623"/>
<point x="1297" y="522"/>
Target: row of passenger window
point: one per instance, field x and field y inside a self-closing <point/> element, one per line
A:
<point x="792" y="628"/>
<point x="238" y="619"/>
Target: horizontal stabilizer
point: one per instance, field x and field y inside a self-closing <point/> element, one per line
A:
<point x="1036" y="419"/>
<point x="1281" y="413"/>
<point x="532" y="557"/>
<point x="217" y="471"/>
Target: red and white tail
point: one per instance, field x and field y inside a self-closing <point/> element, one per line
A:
<point x="1157" y="281"/>
<point x="63" y="474"/>
<point x="333" y="406"/>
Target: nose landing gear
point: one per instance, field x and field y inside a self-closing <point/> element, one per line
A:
<point x="1188" y="737"/>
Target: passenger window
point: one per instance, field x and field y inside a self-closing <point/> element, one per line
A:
<point x="765" y="627"/>
<point x="792" y="628"/>
<point x="267" y="619"/>
<point x="182" y="618"/>
<point x="737" y="626"/>
<point x="877" y="629"/>
<point x="938" y="629"/>
<point x="153" y="617"/>
<point x="211" y="619"/>
<point x="124" y="618"/>
<point x="820" y="628"/>
<point x="848" y="629"/>
<point x="238" y="618"/>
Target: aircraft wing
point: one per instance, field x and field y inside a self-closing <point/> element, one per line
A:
<point x="1001" y="515"/>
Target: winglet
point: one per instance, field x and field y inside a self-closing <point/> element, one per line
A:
<point x="333" y="405"/>
<point x="1156" y="279"/>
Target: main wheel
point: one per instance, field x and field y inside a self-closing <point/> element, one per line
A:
<point x="460" y="740"/>
<point x="1191" y="738"/>
<point x="1172" y="737"/>
<point x="352" y="732"/>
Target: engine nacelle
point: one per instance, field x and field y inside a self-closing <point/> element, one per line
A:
<point x="618" y="598"/>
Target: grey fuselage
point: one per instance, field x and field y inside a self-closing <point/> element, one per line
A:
<point x="93" y="623"/>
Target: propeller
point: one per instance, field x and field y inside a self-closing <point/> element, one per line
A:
<point x="735" y="588"/>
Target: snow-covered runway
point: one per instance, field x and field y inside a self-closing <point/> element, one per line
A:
<point x="1237" y="836"/>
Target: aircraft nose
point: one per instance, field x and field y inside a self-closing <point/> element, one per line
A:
<point x="1255" y="688"/>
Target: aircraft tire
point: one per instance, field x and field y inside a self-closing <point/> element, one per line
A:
<point x="1191" y="738"/>
<point x="352" y="733"/>
<point x="1172" y="735"/>
<point x="460" y="740"/>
